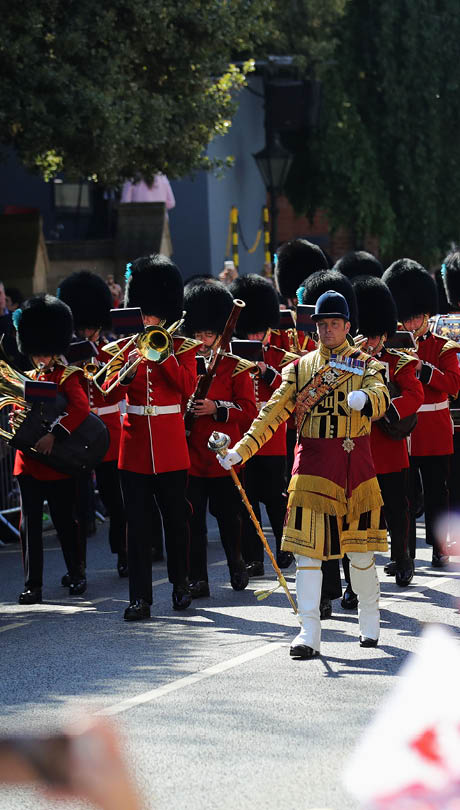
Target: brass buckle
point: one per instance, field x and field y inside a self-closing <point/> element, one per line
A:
<point x="150" y="410"/>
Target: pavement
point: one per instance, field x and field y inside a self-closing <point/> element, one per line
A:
<point x="212" y="710"/>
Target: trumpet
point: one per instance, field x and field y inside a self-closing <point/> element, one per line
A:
<point x="155" y="344"/>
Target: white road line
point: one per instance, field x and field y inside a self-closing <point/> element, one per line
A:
<point x="13" y="626"/>
<point x="189" y="680"/>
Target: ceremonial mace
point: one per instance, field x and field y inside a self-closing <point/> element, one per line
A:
<point x="219" y="443"/>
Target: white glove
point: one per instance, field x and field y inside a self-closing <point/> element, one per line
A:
<point x="357" y="400"/>
<point x="230" y="459"/>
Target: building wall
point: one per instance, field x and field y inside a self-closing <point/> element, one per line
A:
<point x="241" y="185"/>
<point x="189" y="225"/>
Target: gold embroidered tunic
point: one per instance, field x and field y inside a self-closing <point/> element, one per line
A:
<point x="334" y="501"/>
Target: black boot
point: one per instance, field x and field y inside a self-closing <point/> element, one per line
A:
<point x="199" y="589"/>
<point x="404" y="572"/>
<point x="349" y="599"/>
<point x="78" y="582"/>
<point x="255" y="569"/>
<point x="31" y="596"/>
<point x="181" y="597"/>
<point x="390" y="568"/>
<point x="239" y="577"/>
<point x="138" y="610"/>
<point x="65" y="581"/>
<point x="438" y="559"/>
<point x="284" y="559"/>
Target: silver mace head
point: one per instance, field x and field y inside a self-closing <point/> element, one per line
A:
<point x="219" y="443"/>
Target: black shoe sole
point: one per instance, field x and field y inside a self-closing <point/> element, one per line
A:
<point x="303" y="652"/>
<point x="36" y="601"/>
<point x="368" y="642"/>
<point x="136" y="618"/>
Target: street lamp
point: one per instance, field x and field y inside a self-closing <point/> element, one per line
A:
<point x="273" y="162"/>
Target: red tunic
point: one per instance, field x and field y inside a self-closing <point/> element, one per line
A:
<point x="281" y="339"/>
<point x="440" y="377"/>
<point x="109" y="412"/>
<point x="390" y="455"/>
<point x="77" y="409"/>
<point x="275" y="359"/>
<point x="155" y="443"/>
<point x="233" y="393"/>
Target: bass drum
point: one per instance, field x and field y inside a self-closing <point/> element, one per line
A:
<point x="79" y="452"/>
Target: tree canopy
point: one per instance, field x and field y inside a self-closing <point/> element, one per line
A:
<point x="105" y="90"/>
<point x="385" y="160"/>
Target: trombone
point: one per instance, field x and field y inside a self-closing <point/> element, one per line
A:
<point x="155" y="343"/>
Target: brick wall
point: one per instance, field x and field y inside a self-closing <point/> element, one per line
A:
<point x="291" y="226"/>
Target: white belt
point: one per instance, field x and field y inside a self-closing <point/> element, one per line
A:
<point x="435" y="406"/>
<point x="152" y="410"/>
<point x="105" y="409"/>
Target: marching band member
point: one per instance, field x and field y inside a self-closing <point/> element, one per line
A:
<point x="265" y="474"/>
<point x="230" y="400"/>
<point x="359" y="263"/>
<point x="308" y="293"/>
<point x="44" y="331"/>
<point x="90" y="300"/>
<point x="296" y="261"/>
<point x="377" y="322"/>
<point x="154" y="457"/>
<point x="431" y="443"/>
<point x="334" y="498"/>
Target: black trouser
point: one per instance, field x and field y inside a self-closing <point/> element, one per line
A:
<point x="394" y="487"/>
<point x="108" y="483"/>
<point x="264" y="481"/>
<point x="169" y="490"/>
<point x="224" y="504"/>
<point x="454" y="475"/>
<point x="331" y="587"/>
<point x="61" y="501"/>
<point x="84" y="511"/>
<point x="435" y="474"/>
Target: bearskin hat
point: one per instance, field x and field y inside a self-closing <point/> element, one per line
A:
<point x="450" y="276"/>
<point x="319" y="283"/>
<point x="377" y="314"/>
<point x="262" y="309"/>
<point x="154" y="284"/>
<point x="412" y="288"/>
<point x="297" y="260"/>
<point x="207" y="307"/>
<point x="443" y="304"/>
<point x="44" y="326"/>
<point x="359" y="263"/>
<point x="89" y="298"/>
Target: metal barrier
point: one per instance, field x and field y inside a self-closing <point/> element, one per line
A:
<point x="9" y="490"/>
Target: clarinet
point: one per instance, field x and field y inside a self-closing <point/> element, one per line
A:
<point x="204" y="382"/>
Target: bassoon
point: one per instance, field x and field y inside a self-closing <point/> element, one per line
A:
<point x="204" y="382"/>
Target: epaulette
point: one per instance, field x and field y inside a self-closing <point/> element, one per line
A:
<point x="403" y="359"/>
<point x="115" y="346"/>
<point x="68" y="370"/>
<point x="289" y="357"/>
<point x="241" y="363"/>
<point x="114" y="366"/>
<point x="285" y="356"/>
<point x="448" y="345"/>
<point x="186" y="345"/>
